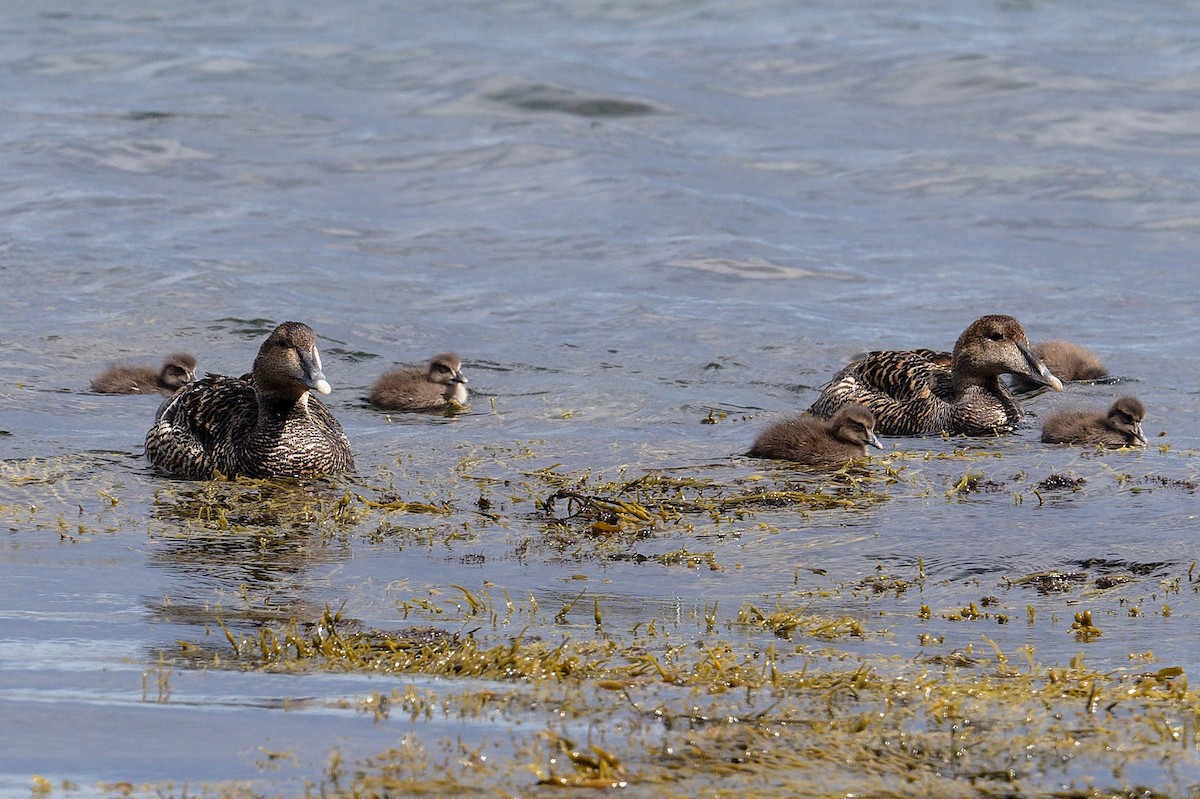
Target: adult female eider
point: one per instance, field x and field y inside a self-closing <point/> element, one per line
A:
<point x="266" y="426"/>
<point x="1120" y="427"/>
<point x="915" y="393"/>
<point x="411" y="388"/>
<point x="1067" y="361"/>
<point x="177" y="370"/>
<point x="810" y="439"/>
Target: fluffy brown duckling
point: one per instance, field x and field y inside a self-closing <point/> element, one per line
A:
<point x="810" y="439"/>
<point x="915" y="392"/>
<point x="267" y="426"/>
<point x="177" y="370"/>
<point x="1066" y="361"/>
<point x="1121" y="426"/>
<point x="441" y="383"/>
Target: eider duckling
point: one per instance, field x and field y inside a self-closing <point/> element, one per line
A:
<point x="810" y="439"/>
<point x="177" y="370"/>
<point x="412" y="388"/>
<point x="914" y="392"/>
<point x="1120" y="427"/>
<point x="266" y="426"/>
<point x="1066" y="361"/>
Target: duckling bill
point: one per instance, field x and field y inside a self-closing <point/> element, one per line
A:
<point x="921" y="392"/>
<point x="266" y="426"/>
<point x="177" y="370"/>
<point x="810" y="439"/>
<point x="1120" y="426"/>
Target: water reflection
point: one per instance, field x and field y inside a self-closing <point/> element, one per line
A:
<point x="246" y="547"/>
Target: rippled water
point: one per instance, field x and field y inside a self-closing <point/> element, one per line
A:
<point x="626" y="216"/>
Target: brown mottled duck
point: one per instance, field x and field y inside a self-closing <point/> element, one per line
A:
<point x="915" y="392"/>
<point x="266" y="426"/>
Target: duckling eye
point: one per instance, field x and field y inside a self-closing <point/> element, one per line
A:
<point x="996" y="335"/>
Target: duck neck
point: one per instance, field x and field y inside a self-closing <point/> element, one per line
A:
<point x="967" y="382"/>
<point x="965" y="378"/>
<point x="275" y="410"/>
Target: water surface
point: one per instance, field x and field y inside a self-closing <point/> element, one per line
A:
<point x="628" y="218"/>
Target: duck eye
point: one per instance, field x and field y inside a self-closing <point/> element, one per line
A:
<point x="996" y="335"/>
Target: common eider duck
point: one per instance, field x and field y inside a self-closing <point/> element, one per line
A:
<point x="177" y="370"/>
<point x="266" y="426"/>
<point x="810" y="439"/>
<point x="914" y="392"/>
<point x="1067" y="361"/>
<point x="1121" y="426"/>
<point x="439" y="384"/>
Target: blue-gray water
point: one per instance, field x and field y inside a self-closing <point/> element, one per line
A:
<point x="625" y="216"/>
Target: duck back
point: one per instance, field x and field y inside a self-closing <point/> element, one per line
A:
<point x="925" y="391"/>
<point x="911" y="392"/>
<point x="218" y="425"/>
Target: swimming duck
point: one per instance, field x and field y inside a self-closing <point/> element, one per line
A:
<point x="177" y="370"/>
<point x="914" y="392"/>
<point x="266" y="426"/>
<point x="1066" y="361"/>
<point x="411" y="388"/>
<point x="1121" y="426"/>
<point x="810" y="439"/>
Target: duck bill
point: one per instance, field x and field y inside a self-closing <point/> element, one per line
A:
<point x="1138" y="435"/>
<point x="459" y="377"/>
<point x="873" y="440"/>
<point x="1037" y="371"/>
<point x="314" y="377"/>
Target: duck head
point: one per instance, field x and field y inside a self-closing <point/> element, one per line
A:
<point x="446" y="369"/>
<point x="288" y="363"/>
<point x="855" y="424"/>
<point x="1125" y="416"/>
<point x="178" y="369"/>
<point x="995" y="345"/>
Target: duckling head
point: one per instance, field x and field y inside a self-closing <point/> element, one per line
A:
<point x="996" y="344"/>
<point x="855" y="424"/>
<point x="1125" y="416"/>
<point x="178" y="369"/>
<point x="446" y="369"/>
<point x="288" y="364"/>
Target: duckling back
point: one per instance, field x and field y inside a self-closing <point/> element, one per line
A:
<point x="439" y="385"/>
<point x="1067" y="360"/>
<point x="810" y="439"/>
<point x="177" y="370"/>
<point x="127" y="380"/>
<point x="1120" y="426"/>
